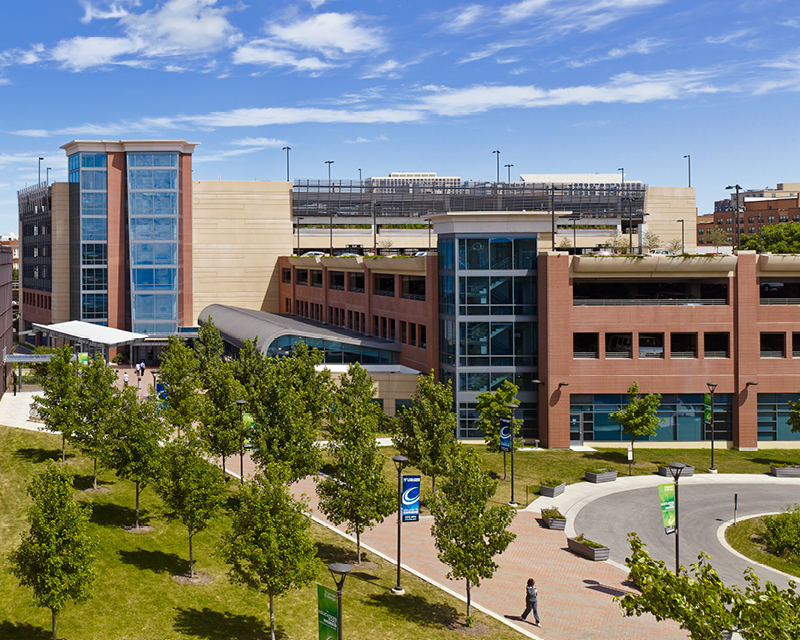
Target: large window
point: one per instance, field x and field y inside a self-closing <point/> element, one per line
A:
<point x="773" y="416"/>
<point x="497" y="295"/>
<point x="496" y="253"/>
<point x="484" y="344"/>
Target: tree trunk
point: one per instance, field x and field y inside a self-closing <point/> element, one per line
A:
<point x="54" y="624"/>
<point x="191" y="557"/>
<point x="358" y="546"/>
<point x="633" y="458"/>
<point x="95" y="474"/>
<point x="137" y="504"/>
<point x="63" y="448"/>
<point x="224" y="470"/>
<point x="271" y="619"/>
<point x="433" y="483"/>
<point x="469" y="600"/>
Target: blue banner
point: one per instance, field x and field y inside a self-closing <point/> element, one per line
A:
<point x="411" y="487"/>
<point x="505" y="434"/>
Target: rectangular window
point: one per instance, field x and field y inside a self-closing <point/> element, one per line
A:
<point x="796" y="345"/>
<point x="403" y="332"/>
<point x="716" y="345"/>
<point x="384" y="284"/>
<point x="287" y="276"/>
<point x="316" y="278"/>
<point x="651" y="345"/>
<point x="384" y="331"/>
<point x="413" y="333"/>
<point x="773" y="345"/>
<point x="302" y="277"/>
<point x="413" y="287"/>
<point x="336" y="280"/>
<point x="391" y="329"/>
<point x="356" y="282"/>
<point x="619" y="345"/>
<point x="423" y="337"/>
<point x="585" y="345"/>
<point x="683" y="345"/>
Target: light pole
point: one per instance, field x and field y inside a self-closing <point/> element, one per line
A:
<point x="689" y="159"/>
<point x="711" y="388"/>
<point x="287" y="150"/>
<point x="375" y="228"/>
<point x="511" y="408"/>
<point x="339" y="572"/>
<point x="47" y="182"/>
<point x="675" y="469"/>
<point x="498" y="164"/>
<point x="329" y="163"/>
<point x="553" y="214"/>
<point x="330" y="226"/>
<point x="683" y="248"/>
<point x="429" y="221"/>
<point x="299" y="220"/>
<point x="508" y="166"/>
<point x="737" y="236"/>
<point x="40" y="170"/>
<point x="240" y="404"/>
<point x="399" y="462"/>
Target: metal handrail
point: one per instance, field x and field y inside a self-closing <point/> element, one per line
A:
<point x="637" y="302"/>
<point x="767" y="301"/>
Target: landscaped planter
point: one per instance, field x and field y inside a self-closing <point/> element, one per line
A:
<point x="601" y="475"/>
<point x="595" y="554"/>
<point x="552" y="492"/>
<point x="785" y="472"/>
<point x="687" y="472"/>
<point x="559" y="524"/>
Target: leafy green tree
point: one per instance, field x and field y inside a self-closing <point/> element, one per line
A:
<point x="357" y="491"/>
<point x="289" y="408"/>
<point x="426" y="428"/>
<point x="179" y="373"/>
<point x="56" y="553"/>
<point x="250" y="368"/>
<point x="98" y="406"/>
<point x="700" y="602"/>
<point x="269" y="545"/>
<point x="675" y="245"/>
<point x="136" y="435"/>
<point x="58" y="405"/>
<point x="209" y="348"/>
<point x="467" y="532"/>
<point x="193" y="489"/>
<point x="491" y="407"/>
<point x="41" y="369"/>
<point x="650" y="241"/>
<point x="222" y="428"/>
<point x="639" y="418"/>
<point x="776" y="238"/>
<point x="718" y="238"/>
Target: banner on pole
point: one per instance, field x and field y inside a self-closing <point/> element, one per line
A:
<point x="505" y="434"/>
<point x="328" y="609"/>
<point x="411" y="487"/>
<point x="666" y="493"/>
<point x="707" y="408"/>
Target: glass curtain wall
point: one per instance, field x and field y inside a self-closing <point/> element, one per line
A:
<point x="89" y="171"/>
<point x="487" y="310"/>
<point x="153" y="216"/>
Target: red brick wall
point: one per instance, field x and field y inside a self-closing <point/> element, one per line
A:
<point x="117" y="245"/>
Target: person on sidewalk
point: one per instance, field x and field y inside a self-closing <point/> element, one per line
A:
<point x="141" y="369"/>
<point x="531" y="601"/>
<point x="125" y="378"/>
<point x="137" y="369"/>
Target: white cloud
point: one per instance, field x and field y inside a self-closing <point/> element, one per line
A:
<point x="492" y="49"/>
<point x="268" y="116"/>
<point x="115" y="9"/>
<point x="259" y="142"/>
<point x="794" y="23"/>
<point x="82" y="53"/>
<point x="261" y="52"/>
<point x="463" y="18"/>
<point x="329" y="34"/>
<point x="729" y="37"/>
<point x="316" y="4"/>
<point x="389" y="69"/>
<point x="19" y="56"/>
<point x="581" y="15"/>
<point x="361" y="140"/>
<point x="644" y="46"/>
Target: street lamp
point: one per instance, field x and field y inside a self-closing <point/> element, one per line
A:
<point x="511" y="407"/>
<point x="737" y="236"/>
<point x="498" y="164"/>
<point x="329" y="163"/>
<point x="339" y="572"/>
<point x="399" y="462"/>
<point x="683" y="249"/>
<point x="711" y="387"/>
<point x="675" y="469"/>
<point x="429" y="221"/>
<point x="375" y="228"/>
<point x="240" y="404"/>
<point x="287" y="150"/>
<point x="508" y="166"/>
<point x="299" y="220"/>
<point x="47" y="181"/>
<point x="689" y="158"/>
<point x="330" y="227"/>
<point x="40" y="170"/>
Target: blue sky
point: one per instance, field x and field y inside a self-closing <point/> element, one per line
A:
<point x="557" y="86"/>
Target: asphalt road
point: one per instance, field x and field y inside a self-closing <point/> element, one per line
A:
<point x="703" y="508"/>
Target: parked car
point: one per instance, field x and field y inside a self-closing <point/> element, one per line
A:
<point x="313" y="254"/>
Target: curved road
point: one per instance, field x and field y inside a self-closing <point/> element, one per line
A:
<point x="703" y="509"/>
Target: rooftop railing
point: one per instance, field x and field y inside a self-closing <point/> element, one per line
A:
<point x="649" y="302"/>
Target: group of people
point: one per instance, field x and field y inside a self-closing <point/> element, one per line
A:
<point x="139" y="372"/>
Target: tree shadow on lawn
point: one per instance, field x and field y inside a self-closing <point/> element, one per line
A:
<point x="110" y="514"/>
<point x="210" y="624"/>
<point x="155" y="561"/>
<point x="24" y="631"/>
<point x="86" y="482"/>
<point x="37" y="455"/>
<point x="415" y="609"/>
<point x="330" y="553"/>
<point x="772" y="461"/>
<point x="616" y="457"/>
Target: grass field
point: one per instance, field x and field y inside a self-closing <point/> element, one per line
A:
<point x="745" y="538"/>
<point x="136" y="598"/>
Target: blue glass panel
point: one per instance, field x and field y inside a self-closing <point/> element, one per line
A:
<point x="94" y="230"/>
<point x="141" y="179"/>
<point x="165" y="279"/>
<point x="501" y="251"/>
<point x="166" y="253"/>
<point x="165" y="178"/>
<point x="525" y="253"/>
<point x="166" y="306"/>
<point x="142" y="204"/>
<point x="165" y="203"/>
<point x="143" y="306"/>
<point x="165" y="159"/>
<point x="93" y="180"/>
<point x="142" y="279"/>
<point x="142" y="253"/>
<point x="165" y="229"/>
<point x="93" y="204"/>
<point x="141" y="228"/>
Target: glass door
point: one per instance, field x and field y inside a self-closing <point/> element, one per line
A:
<point x="575" y="429"/>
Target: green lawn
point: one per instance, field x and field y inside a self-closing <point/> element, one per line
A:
<point x="745" y="538"/>
<point x="136" y="598"/>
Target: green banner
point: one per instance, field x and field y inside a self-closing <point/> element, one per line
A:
<point x="328" y="609"/>
<point x="707" y="408"/>
<point x="83" y="357"/>
<point x="666" y="493"/>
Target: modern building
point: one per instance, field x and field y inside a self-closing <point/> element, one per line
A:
<point x="756" y="213"/>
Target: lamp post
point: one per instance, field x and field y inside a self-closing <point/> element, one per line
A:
<point x="330" y="227"/>
<point x="737" y="236"/>
<point x="498" y="164"/>
<point x="511" y="407"/>
<point x="675" y="469"/>
<point x="359" y="174"/>
<point x="689" y="159"/>
<point x="553" y="214"/>
<point x="47" y="181"/>
<point x="339" y="572"/>
<point x="240" y="404"/>
<point x="399" y="462"/>
<point x="508" y="166"/>
<point x="711" y="388"/>
<point x="299" y="220"/>
<point x="329" y="163"/>
<point x="683" y="248"/>
<point x="287" y="149"/>
<point x="429" y="221"/>
<point x="40" y="170"/>
<point x="375" y="228"/>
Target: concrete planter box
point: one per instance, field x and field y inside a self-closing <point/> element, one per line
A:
<point x="595" y="555"/>
<point x="687" y="472"/>
<point x="785" y="472"/>
<point x="606" y="476"/>
<point x="552" y="492"/>
<point x="557" y="524"/>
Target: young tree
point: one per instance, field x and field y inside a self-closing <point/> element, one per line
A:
<point x="136" y="437"/>
<point x="700" y="602"/>
<point x="467" y="532"/>
<point x="289" y="407"/>
<point x="426" y="428"/>
<point x="492" y="406"/>
<point x="675" y="245"/>
<point x="98" y="406"/>
<point x="639" y="418"/>
<point x="565" y="243"/>
<point x="249" y="368"/>
<point x="209" y="348"/>
<point x="718" y="237"/>
<point x="269" y="545"/>
<point x="650" y="241"/>
<point x="58" y="405"/>
<point x="222" y="428"/>
<point x="193" y="489"/>
<point x="357" y="491"/>
<point x="56" y="554"/>
<point x="179" y="375"/>
<point x="619" y="242"/>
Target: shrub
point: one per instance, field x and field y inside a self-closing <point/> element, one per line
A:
<point x="550" y="482"/>
<point x="552" y="512"/>
<point x="585" y="541"/>
<point x="783" y="532"/>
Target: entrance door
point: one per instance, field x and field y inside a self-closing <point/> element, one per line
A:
<point x="576" y="429"/>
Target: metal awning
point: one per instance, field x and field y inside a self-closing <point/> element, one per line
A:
<point x="88" y="333"/>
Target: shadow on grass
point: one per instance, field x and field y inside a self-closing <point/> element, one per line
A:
<point x="110" y="514"/>
<point x="364" y="576"/>
<point x="327" y="469"/>
<point x="210" y="624"/>
<point x="329" y="553"/>
<point x="155" y="561"/>
<point x="415" y="609"/>
<point x="24" y="631"/>
<point x="617" y="457"/>
<point x="232" y="503"/>
<point x="37" y="456"/>
<point x="771" y="461"/>
<point x="84" y="482"/>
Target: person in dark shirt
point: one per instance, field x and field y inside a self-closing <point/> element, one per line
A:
<point x="531" y="601"/>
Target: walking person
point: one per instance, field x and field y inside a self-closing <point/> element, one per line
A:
<point x="125" y="378"/>
<point x="137" y="369"/>
<point x="531" y="601"/>
<point x="141" y="369"/>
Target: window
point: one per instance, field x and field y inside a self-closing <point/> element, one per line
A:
<point x="356" y="282"/>
<point x="423" y="337"/>
<point x="287" y="276"/>
<point x="413" y="332"/>
<point x="413" y="287"/>
<point x="773" y="345"/>
<point x="619" y="345"/>
<point x="651" y="345"/>
<point x="302" y="277"/>
<point x="384" y="284"/>
<point x="796" y="345"/>
<point x="496" y="253"/>
<point x="316" y="278"/>
<point x="497" y="295"/>
<point x="716" y="345"/>
<point x="336" y="280"/>
<point x="384" y="331"/>
<point x="497" y="344"/>
<point x="403" y="332"/>
<point x="770" y="219"/>
<point x="585" y="345"/>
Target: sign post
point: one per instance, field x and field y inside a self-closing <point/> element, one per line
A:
<point x="411" y="486"/>
<point x="328" y="609"/>
<point x="630" y="458"/>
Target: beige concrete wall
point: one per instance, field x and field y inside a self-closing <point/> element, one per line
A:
<point x="389" y="386"/>
<point x="239" y="231"/>
<point x="666" y="205"/>
<point x="59" y="211"/>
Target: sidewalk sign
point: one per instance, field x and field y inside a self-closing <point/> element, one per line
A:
<point x="666" y="493"/>
<point x="411" y="487"/>
<point x="328" y="609"/>
<point x="505" y="434"/>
